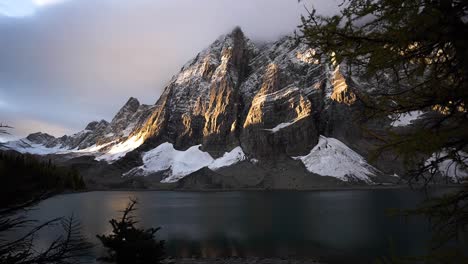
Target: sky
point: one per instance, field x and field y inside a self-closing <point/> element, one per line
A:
<point x="65" y="63"/>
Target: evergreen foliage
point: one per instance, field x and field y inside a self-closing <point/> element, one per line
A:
<point x="24" y="176"/>
<point x="129" y="244"/>
<point x="402" y="56"/>
<point x="405" y="56"/>
<point x="68" y="248"/>
<point x="25" y="182"/>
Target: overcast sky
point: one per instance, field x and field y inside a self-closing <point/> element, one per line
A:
<point x="64" y="63"/>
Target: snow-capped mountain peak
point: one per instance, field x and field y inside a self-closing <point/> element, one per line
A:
<point x="234" y="101"/>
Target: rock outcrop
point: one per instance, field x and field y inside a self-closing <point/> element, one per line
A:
<point x="270" y="101"/>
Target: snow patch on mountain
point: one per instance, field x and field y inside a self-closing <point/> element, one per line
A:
<point x="116" y="152"/>
<point x="280" y="126"/>
<point x="229" y="158"/>
<point x="26" y="146"/>
<point x="283" y="125"/>
<point x="182" y="163"/>
<point x="94" y="149"/>
<point x="119" y="150"/>
<point x="331" y="157"/>
<point x="406" y="119"/>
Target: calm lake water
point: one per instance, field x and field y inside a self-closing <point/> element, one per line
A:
<point x="331" y="226"/>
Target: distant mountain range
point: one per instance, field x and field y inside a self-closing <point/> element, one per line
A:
<point x="238" y="115"/>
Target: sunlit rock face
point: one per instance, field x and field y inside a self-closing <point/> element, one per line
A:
<point x="235" y="107"/>
<point x="267" y="99"/>
<point x="200" y="104"/>
<point x="234" y="93"/>
<point x="279" y="97"/>
<point x="271" y="100"/>
<point x="221" y="116"/>
<point x="277" y="102"/>
<point x="106" y="134"/>
<point x="341" y="93"/>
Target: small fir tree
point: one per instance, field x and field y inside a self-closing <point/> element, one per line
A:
<point x="129" y="244"/>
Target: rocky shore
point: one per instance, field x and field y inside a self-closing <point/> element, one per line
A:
<point x="242" y="261"/>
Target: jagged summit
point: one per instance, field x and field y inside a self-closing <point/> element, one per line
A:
<point x="130" y="107"/>
<point x="237" y="30"/>
<point x="233" y="104"/>
<point x="40" y="137"/>
<point x="132" y="104"/>
<point x="132" y="100"/>
<point x="96" y="125"/>
<point x="125" y="113"/>
<point x="230" y="94"/>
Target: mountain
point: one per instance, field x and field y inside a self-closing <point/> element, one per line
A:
<point x="238" y="115"/>
<point x="97" y="137"/>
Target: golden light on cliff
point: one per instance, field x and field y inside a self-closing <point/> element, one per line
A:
<point x="307" y="56"/>
<point x="341" y="92"/>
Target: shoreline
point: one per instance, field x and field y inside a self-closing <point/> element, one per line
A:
<point x="318" y="189"/>
<point x="237" y="260"/>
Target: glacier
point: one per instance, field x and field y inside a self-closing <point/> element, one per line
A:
<point x="331" y="157"/>
<point x="180" y="163"/>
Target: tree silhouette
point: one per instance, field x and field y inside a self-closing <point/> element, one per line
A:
<point x="128" y="244"/>
<point x="67" y="248"/>
<point x="403" y="56"/>
<point x="399" y="57"/>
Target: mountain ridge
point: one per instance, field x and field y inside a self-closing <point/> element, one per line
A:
<point x="270" y="104"/>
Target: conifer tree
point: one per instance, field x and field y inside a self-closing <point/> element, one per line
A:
<point x="401" y="57"/>
<point x="129" y="244"/>
<point x="407" y="56"/>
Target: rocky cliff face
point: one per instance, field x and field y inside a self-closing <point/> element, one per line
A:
<point x="234" y="94"/>
<point x="201" y="104"/>
<point x="278" y="99"/>
<point x="238" y="103"/>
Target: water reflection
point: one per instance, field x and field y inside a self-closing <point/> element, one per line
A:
<point x="336" y="225"/>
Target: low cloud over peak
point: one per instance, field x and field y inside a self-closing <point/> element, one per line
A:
<point x="80" y="60"/>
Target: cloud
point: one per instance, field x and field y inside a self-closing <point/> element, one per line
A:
<point x="47" y="2"/>
<point x="16" y="8"/>
<point x="24" y="8"/>
<point x="80" y="60"/>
